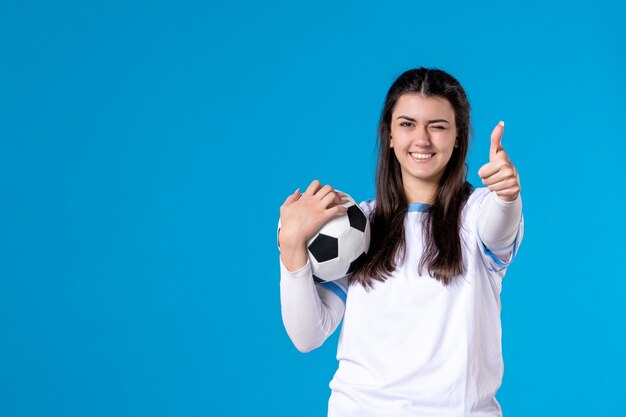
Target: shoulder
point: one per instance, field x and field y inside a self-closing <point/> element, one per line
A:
<point x="477" y="197"/>
<point x="475" y="202"/>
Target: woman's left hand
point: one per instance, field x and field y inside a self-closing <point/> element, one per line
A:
<point x="499" y="174"/>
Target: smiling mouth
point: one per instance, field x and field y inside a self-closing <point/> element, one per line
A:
<point x="422" y="156"/>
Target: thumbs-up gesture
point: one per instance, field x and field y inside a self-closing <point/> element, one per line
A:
<point x="499" y="174"/>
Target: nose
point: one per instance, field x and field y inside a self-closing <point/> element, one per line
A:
<point x="422" y="137"/>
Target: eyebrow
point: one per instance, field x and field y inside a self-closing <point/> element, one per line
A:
<point x="430" y="121"/>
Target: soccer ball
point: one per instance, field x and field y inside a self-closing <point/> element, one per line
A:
<point x="341" y="245"/>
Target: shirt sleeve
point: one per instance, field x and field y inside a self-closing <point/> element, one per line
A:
<point x="312" y="308"/>
<point x="500" y="230"/>
<point x="311" y="311"/>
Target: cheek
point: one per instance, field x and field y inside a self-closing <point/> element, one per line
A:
<point x="446" y="144"/>
<point x="448" y="155"/>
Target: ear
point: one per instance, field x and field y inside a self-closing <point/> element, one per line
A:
<point x="390" y="142"/>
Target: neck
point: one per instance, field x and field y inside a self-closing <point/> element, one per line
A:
<point x="423" y="192"/>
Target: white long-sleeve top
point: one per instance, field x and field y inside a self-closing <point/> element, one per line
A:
<point x="411" y="346"/>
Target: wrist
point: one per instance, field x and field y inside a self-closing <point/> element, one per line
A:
<point x="294" y="258"/>
<point x="286" y="245"/>
<point x="290" y="242"/>
<point x="507" y="198"/>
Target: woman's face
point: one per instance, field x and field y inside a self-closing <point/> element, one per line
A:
<point x="423" y="136"/>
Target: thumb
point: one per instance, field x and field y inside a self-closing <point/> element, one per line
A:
<point x="496" y="140"/>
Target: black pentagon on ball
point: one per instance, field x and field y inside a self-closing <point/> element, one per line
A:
<point x="357" y="218"/>
<point x="324" y="248"/>
<point x="358" y="261"/>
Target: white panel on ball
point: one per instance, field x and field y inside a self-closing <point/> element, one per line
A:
<point x="333" y="269"/>
<point x="336" y="226"/>
<point x="351" y="242"/>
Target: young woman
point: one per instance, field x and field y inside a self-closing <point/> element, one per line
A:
<point x="421" y="332"/>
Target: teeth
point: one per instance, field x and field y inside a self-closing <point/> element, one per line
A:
<point x="422" y="155"/>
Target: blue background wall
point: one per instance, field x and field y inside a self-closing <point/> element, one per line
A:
<point x="146" y="147"/>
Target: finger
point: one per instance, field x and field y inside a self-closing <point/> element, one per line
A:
<point x="330" y="198"/>
<point x="496" y="178"/>
<point x="340" y="198"/>
<point x="501" y="163"/>
<point x="509" y="194"/>
<point x="324" y="191"/>
<point x="312" y="188"/>
<point x="505" y="173"/>
<point x="506" y="185"/>
<point x="341" y="195"/>
<point x="336" y="211"/>
<point x="496" y="140"/>
<point x="292" y="197"/>
<point x="488" y="170"/>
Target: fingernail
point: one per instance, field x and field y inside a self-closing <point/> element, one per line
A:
<point x="297" y="191"/>
<point x="501" y="123"/>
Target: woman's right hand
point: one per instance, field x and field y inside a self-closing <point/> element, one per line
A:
<point x="303" y="215"/>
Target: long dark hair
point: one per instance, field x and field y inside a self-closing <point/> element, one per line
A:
<point x="442" y="254"/>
